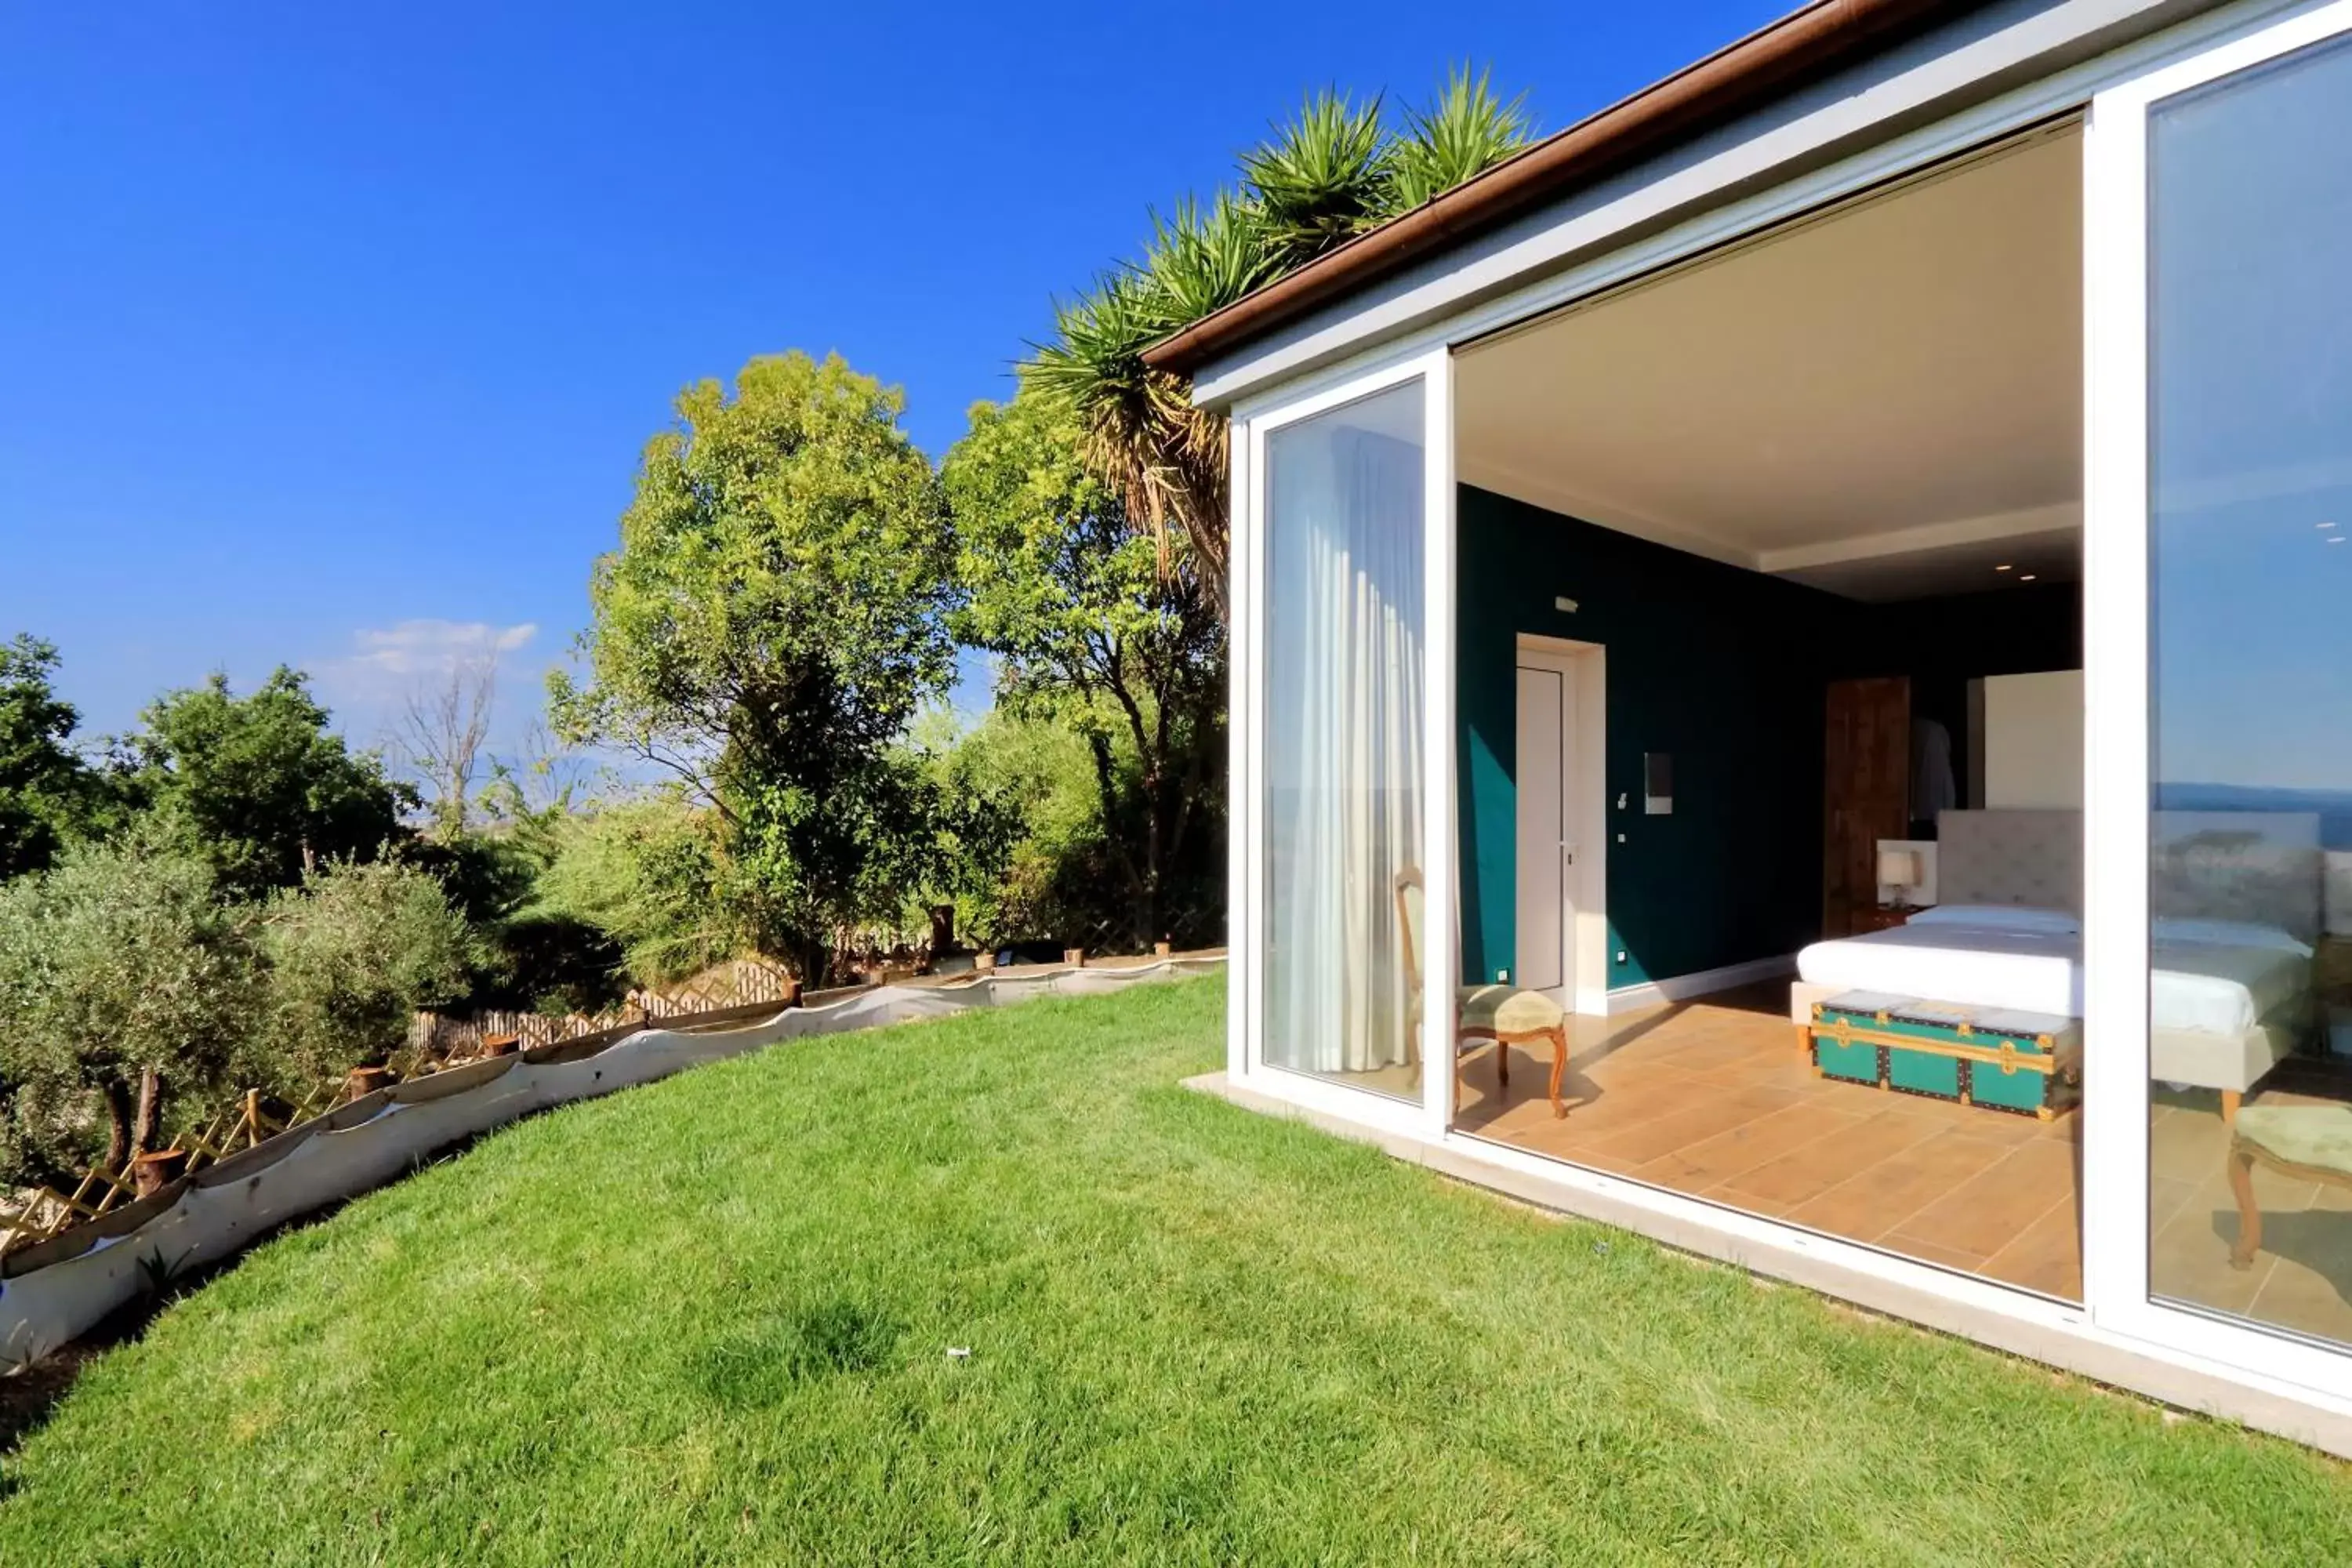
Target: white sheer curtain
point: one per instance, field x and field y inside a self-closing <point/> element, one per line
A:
<point x="1343" y="742"/>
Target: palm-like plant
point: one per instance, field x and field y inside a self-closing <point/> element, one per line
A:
<point x="1327" y="176"/>
<point x="1141" y="433"/>
<point x="1465" y="133"/>
<point x="1199" y="261"/>
<point x="1322" y="179"/>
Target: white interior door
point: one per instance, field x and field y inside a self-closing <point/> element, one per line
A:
<point x="1546" y="916"/>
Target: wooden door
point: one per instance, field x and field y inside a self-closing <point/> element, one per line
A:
<point x="1866" y="792"/>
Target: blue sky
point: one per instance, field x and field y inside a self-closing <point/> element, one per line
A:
<point x="330" y="334"/>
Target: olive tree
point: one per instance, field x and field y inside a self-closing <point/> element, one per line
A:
<point x="353" y="952"/>
<point x="122" y="975"/>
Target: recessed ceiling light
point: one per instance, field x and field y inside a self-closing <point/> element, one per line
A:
<point x="2025" y="577"/>
<point x="2005" y="568"/>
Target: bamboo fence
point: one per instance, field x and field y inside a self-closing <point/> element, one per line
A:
<point x="742" y="983"/>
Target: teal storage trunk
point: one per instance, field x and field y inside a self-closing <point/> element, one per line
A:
<point x="2030" y="1063"/>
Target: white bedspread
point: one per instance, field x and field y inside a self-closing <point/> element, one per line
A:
<point x="2210" y="988"/>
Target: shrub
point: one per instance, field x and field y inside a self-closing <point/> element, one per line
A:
<point x="353" y="953"/>
<point x="647" y="873"/>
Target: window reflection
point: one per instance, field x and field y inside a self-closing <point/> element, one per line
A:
<point x="2250" y="852"/>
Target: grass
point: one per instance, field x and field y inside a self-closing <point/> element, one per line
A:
<point x="709" y="1321"/>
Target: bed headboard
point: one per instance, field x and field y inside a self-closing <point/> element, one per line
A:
<point x="2011" y="857"/>
<point x="2256" y="866"/>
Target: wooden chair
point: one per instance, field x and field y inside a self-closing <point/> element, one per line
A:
<point x="2306" y="1142"/>
<point x="1505" y="1016"/>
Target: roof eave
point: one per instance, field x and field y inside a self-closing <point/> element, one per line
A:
<point x="1799" y="48"/>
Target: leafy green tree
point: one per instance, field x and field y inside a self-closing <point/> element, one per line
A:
<point x="773" y="617"/>
<point x="1046" y="873"/>
<point x="47" y="791"/>
<point x="550" y="963"/>
<point x="647" y="873"/>
<point x="122" y="973"/>
<point x="529" y="958"/>
<point x="1333" y="172"/>
<point x="259" y="785"/>
<point x="355" y="952"/>
<point x="1093" y="632"/>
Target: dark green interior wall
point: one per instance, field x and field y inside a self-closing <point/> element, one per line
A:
<point x="1720" y="667"/>
<point x="1725" y="669"/>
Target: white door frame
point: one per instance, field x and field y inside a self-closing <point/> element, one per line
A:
<point x="2115" y="732"/>
<point x="1586" y="666"/>
<point x="1431" y="367"/>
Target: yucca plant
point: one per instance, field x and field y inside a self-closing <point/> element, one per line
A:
<point x="1466" y="132"/>
<point x="1321" y="179"/>
<point x="1327" y="176"/>
<point x="1200" y="261"/>
<point x="1141" y="433"/>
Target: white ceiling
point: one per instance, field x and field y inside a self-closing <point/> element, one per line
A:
<point x="1884" y="401"/>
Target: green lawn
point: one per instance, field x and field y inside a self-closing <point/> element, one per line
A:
<point x="708" y="1322"/>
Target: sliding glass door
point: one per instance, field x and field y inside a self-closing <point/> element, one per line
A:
<point x="1349" y="551"/>
<point x="2220" y="627"/>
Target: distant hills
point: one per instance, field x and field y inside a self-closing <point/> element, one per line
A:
<point x="2332" y="806"/>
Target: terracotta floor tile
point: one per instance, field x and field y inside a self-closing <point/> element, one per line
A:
<point x="2187" y="1146"/>
<point x="1870" y="1204"/>
<point x="1717" y="1160"/>
<point x="1995" y="1126"/>
<point x="1608" y="1078"/>
<point x="1992" y="1209"/>
<point x="1708" y="1055"/>
<point x="1949" y="1257"/>
<point x="1763" y="1208"/>
<point x="1807" y="1173"/>
<point x="2066" y="1127"/>
<point x="2308" y="1282"/>
<point x="2047" y="1256"/>
<point x="1638" y="1091"/>
<point x="2165" y="1194"/>
<point x="2189" y="1257"/>
<point x="1718" y="1102"/>
<point x="1712" y="1114"/>
<point x="1595" y="1107"/>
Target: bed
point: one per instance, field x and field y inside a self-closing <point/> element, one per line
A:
<point x="2230" y="992"/>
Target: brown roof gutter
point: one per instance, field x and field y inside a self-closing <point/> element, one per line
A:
<point x="1798" y="49"/>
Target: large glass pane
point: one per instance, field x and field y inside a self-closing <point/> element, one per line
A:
<point x="1343" y="742"/>
<point x="2249" y="362"/>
